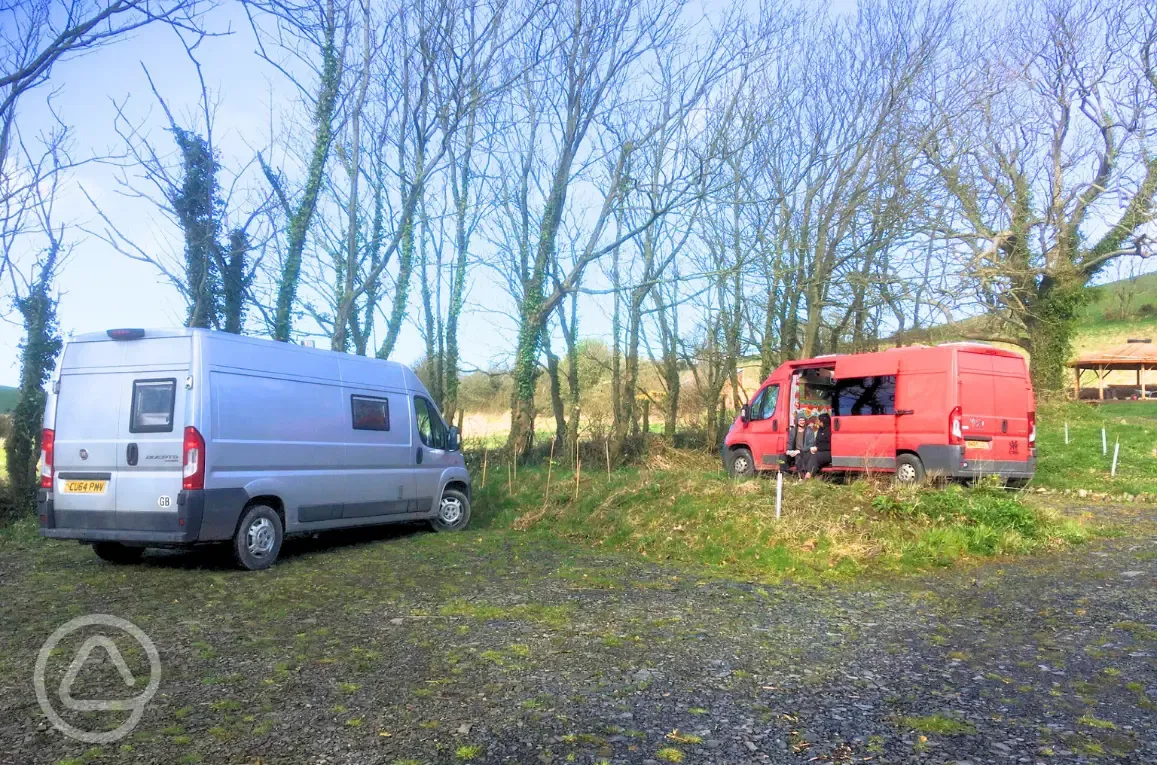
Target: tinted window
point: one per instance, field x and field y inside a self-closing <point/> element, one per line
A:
<point x="152" y="409"/>
<point x="764" y="403"/>
<point x="865" y="395"/>
<point x="431" y="429"/>
<point x="370" y="413"/>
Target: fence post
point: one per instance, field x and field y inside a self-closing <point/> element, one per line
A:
<point x="1066" y="434"/>
<point x="778" y="493"/>
<point x="1116" y="452"/>
<point x="1104" y="442"/>
<point x="549" y="465"/>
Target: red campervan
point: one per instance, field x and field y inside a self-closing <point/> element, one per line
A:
<point x="958" y="410"/>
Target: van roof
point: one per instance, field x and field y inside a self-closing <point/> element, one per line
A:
<point x="165" y="332"/>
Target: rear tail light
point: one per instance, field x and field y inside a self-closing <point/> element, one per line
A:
<point x="47" y="453"/>
<point x="955" y="433"/>
<point x="193" y="460"/>
<point x="1032" y="429"/>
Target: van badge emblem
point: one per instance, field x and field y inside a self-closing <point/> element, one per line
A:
<point x="84" y="454"/>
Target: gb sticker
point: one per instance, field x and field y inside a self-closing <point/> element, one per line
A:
<point x="164" y="500"/>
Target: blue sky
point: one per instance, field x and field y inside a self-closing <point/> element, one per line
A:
<point x="101" y="288"/>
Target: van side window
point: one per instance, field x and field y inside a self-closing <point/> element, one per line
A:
<point x="370" y="413"/>
<point x="764" y="403"/>
<point x="152" y="408"/>
<point x="431" y="429"/>
<point x="857" y="396"/>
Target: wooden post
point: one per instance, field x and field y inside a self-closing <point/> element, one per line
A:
<point x="646" y="420"/>
<point x="549" y="465"/>
<point x="1141" y="375"/>
<point x="1101" y="383"/>
<point x="485" y="454"/>
<point x="578" y="472"/>
<point x="1077" y="374"/>
<point x="608" y="445"/>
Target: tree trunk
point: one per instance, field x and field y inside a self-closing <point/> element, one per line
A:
<point x="1051" y="324"/>
<point x="556" y="405"/>
<point x="235" y="281"/>
<point x="38" y="352"/>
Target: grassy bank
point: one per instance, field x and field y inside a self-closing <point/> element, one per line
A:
<point x="680" y="507"/>
<point x="1080" y="464"/>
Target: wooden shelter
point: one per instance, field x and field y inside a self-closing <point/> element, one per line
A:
<point x="1138" y="356"/>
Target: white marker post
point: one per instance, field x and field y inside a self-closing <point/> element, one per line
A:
<point x="1066" y="434"/>
<point x="778" y="493"/>
<point x="1116" y="453"/>
<point x="1104" y="442"/>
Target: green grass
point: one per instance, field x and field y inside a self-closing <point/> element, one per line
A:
<point x="938" y="724"/>
<point x="683" y="508"/>
<point x="1080" y="464"/>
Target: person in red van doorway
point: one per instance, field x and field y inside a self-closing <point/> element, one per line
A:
<point x="795" y="437"/>
<point x="819" y="454"/>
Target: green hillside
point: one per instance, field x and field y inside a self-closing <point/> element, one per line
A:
<point x="1117" y="312"/>
<point x="8" y="397"/>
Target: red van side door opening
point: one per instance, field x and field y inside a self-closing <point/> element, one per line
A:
<point x="864" y="413"/>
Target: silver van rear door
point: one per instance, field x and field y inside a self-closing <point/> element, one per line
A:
<point x="149" y="469"/>
<point x="87" y="441"/>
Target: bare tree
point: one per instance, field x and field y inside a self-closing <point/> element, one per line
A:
<point x="1045" y="148"/>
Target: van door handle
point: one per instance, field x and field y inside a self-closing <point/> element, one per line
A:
<point x="131" y="454"/>
<point x="775" y="425"/>
<point x="419" y="455"/>
<point x="905" y="411"/>
<point x="837" y="423"/>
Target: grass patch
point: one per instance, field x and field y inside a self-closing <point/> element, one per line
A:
<point x="938" y="724"/>
<point x="551" y="616"/>
<point x="1080" y="463"/>
<point x="683" y="508"/>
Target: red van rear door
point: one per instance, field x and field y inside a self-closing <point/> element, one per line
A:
<point x="1011" y="408"/>
<point x="864" y="412"/>
<point x="979" y="423"/>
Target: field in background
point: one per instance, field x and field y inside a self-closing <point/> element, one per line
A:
<point x="8" y="398"/>
<point x="1081" y="464"/>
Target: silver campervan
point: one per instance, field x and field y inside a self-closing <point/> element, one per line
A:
<point x="161" y="438"/>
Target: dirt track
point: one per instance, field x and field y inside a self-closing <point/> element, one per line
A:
<point x="500" y="647"/>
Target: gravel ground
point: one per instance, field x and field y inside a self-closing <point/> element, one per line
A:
<point x="504" y="647"/>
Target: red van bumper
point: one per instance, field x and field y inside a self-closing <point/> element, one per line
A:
<point x="950" y="462"/>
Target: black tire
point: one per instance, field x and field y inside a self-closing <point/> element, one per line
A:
<point x="740" y="463"/>
<point x="115" y="552"/>
<point x="909" y="470"/>
<point x="1017" y="483"/>
<point x="453" y="512"/>
<point x="257" y="542"/>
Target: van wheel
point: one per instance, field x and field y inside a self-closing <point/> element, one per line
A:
<point x="740" y="464"/>
<point x="115" y="552"/>
<point x="258" y="538"/>
<point x="453" y="512"/>
<point x="909" y="469"/>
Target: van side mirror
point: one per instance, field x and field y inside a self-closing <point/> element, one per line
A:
<point x="454" y="439"/>
<point x="745" y="413"/>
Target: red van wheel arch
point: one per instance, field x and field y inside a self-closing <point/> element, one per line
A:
<point x="909" y="469"/>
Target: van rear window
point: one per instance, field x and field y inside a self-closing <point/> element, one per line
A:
<point x="152" y="409"/>
<point x="370" y="413"/>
